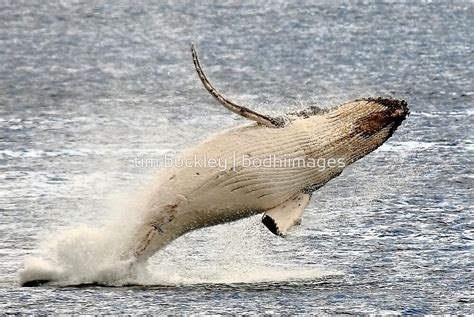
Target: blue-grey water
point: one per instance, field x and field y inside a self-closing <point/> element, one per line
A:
<point x="88" y="86"/>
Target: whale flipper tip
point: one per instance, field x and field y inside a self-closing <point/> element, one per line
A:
<point x="271" y="224"/>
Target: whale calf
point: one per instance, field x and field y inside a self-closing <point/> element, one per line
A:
<point x="269" y="166"/>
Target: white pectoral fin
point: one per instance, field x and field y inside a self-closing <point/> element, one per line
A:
<point x="281" y="218"/>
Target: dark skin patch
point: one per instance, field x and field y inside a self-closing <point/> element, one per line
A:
<point x="372" y="123"/>
<point x="387" y="102"/>
<point x="396" y="111"/>
<point x="271" y="225"/>
<point x="171" y="211"/>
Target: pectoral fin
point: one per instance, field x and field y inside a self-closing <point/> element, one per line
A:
<point x="281" y="218"/>
<point x="271" y="122"/>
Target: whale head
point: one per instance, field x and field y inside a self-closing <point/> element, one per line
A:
<point x="379" y="114"/>
<point x="365" y="124"/>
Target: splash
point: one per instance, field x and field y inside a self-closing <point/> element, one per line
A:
<point x="81" y="255"/>
<point x="226" y="254"/>
<point x="84" y="254"/>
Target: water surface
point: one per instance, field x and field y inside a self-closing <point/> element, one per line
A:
<point x="85" y="87"/>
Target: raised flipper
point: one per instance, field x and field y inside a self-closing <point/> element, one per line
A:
<point x="281" y="218"/>
<point x="240" y="110"/>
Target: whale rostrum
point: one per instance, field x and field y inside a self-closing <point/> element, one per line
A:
<point x="272" y="166"/>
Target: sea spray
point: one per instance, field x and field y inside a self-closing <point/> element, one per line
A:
<point x="81" y="254"/>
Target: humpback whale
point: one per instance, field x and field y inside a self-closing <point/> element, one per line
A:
<point x="270" y="166"/>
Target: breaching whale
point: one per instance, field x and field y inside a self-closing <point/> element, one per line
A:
<point x="269" y="166"/>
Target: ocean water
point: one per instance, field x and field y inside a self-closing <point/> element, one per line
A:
<point x="87" y="87"/>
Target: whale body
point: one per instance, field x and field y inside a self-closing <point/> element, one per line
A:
<point x="271" y="166"/>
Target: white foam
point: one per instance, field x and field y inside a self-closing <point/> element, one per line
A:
<point x="38" y="269"/>
<point x="88" y="254"/>
<point x="406" y="146"/>
<point x="253" y="274"/>
<point x="230" y="254"/>
<point x="78" y="256"/>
